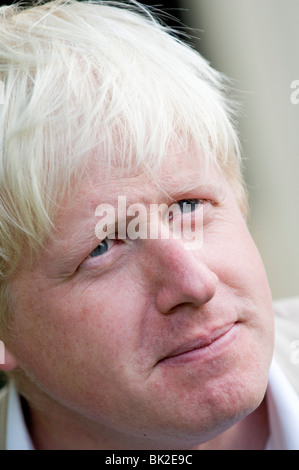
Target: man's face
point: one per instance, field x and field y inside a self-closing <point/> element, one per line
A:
<point x="146" y="338"/>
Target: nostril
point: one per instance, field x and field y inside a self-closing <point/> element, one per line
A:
<point x="180" y="307"/>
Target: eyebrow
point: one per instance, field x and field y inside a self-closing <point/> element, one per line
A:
<point x="83" y="233"/>
<point x="171" y="195"/>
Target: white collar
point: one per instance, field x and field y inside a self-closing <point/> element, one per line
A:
<point x="282" y="403"/>
<point x="17" y="435"/>
<point x="283" y="411"/>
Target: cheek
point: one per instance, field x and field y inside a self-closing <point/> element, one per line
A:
<point x="79" y="350"/>
<point x="240" y="269"/>
<point x="67" y="337"/>
<point x="256" y="292"/>
<point x="238" y="262"/>
<point x="252" y="270"/>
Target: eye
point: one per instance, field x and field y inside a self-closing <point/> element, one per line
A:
<point x="102" y="248"/>
<point x="189" y="205"/>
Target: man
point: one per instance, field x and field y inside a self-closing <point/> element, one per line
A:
<point x="135" y="309"/>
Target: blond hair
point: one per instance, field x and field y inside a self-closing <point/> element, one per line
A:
<point x="84" y="75"/>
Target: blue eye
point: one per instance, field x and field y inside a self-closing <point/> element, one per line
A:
<point x="102" y="248"/>
<point x="189" y="205"/>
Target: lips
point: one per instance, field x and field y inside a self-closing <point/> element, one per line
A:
<point x="198" y="343"/>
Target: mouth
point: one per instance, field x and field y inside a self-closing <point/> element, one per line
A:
<point x="203" y="347"/>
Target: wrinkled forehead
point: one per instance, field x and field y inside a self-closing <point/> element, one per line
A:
<point x="180" y="176"/>
<point x="179" y="169"/>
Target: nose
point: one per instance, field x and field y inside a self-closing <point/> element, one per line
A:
<point x="180" y="276"/>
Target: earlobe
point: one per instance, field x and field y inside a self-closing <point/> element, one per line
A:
<point x="7" y="359"/>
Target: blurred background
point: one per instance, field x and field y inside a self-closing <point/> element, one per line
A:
<point x="256" y="43"/>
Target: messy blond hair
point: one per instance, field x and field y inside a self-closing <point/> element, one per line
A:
<point x="84" y="75"/>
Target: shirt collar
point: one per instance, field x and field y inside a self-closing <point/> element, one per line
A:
<point x="283" y="411"/>
<point x="17" y="435"/>
<point x="282" y="404"/>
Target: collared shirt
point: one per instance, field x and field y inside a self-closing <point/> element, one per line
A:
<point x="17" y="435"/>
<point x="282" y="404"/>
<point x="283" y="411"/>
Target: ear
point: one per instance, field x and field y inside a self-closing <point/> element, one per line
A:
<point x="7" y="359"/>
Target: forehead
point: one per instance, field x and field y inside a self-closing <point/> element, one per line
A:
<point x="179" y="174"/>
